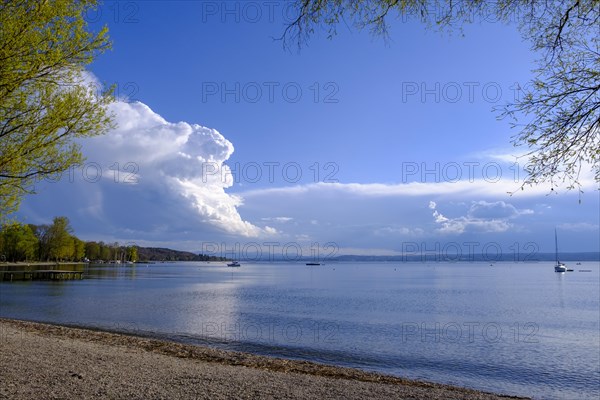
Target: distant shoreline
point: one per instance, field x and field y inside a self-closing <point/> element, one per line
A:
<point x="410" y="257"/>
<point x="41" y="263"/>
<point x="43" y="360"/>
<point x="339" y="259"/>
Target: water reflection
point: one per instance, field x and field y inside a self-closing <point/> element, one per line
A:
<point x="43" y="266"/>
<point x="113" y="272"/>
<point x="355" y="314"/>
<point x="561" y="288"/>
<point x="212" y="312"/>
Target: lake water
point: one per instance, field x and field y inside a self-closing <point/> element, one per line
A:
<point x="513" y="328"/>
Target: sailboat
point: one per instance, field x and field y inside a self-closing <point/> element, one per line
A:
<point x="559" y="267"/>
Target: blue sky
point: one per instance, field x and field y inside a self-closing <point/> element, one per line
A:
<point x="224" y="138"/>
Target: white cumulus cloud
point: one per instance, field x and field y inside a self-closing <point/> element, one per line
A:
<point x="181" y="162"/>
<point x="498" y="209"/>
<point x="482" y="216"/>
<point x="148" y="180"/>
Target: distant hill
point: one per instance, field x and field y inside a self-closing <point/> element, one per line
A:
<point x="433" y="257"/>
<point x="163" y="254"/>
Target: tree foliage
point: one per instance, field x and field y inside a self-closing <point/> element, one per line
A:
<point x="45" y="101"/>
<point x="60" y="242"/>
<point x="56" y="242"/>
<point x="18" y="243"/>
<point x="132" y="253"/>
<point x="78" y="248"/>
<point x="558" y="115"/>
<point x="92" y="250"/>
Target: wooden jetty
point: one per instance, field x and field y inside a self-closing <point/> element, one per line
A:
<point x="41" y="275"/>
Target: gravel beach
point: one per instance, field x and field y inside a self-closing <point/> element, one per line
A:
<point x="41" y="361"/>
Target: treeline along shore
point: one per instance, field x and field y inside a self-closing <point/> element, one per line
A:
<point x="57" y="242"/>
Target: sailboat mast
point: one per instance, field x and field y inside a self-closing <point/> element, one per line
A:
<point x="556" y="245"/>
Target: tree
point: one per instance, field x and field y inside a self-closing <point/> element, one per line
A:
<point x="105" y="252"/>
<point x="92" y="250"/>
<point x="132" y="253"/>
<point x="28" y="243"/>
<point x="78" y="249"/>
<point x="561" y="107"/>
<point x="18" y="242"/>
<point x="115" y="251"/>
<point x="42" y="233"/>
<point x="60" y="241"/>
<point x="44" y="100"/>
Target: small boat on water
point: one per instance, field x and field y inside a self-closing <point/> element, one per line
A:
<point x="313" y="263"/>
<point x="558" y="267"/>
<point x="234" y="264"/>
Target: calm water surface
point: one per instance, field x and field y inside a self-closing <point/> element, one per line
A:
<point x="514" y="328"/>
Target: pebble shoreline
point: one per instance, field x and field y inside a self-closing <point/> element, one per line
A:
<point x="46" y="361"/>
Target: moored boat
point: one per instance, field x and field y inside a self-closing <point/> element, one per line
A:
<point x="558" y="267"/>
